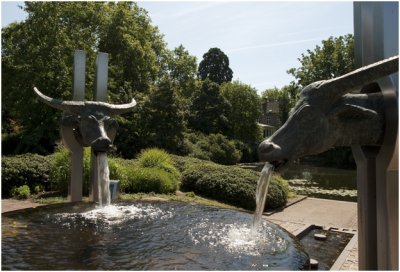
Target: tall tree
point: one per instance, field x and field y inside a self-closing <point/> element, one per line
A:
<point x="246" y="105"/>
<point x="208" y="110"/>
<point x="215" y="66"/>
<point x="39" y="51"/>
<point x="333" y="59"/>
<point x="182" y="69"/>
<point x="163" y="117"/>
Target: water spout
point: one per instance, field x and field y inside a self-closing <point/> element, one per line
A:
<point x="261" y="193"/>
<point x="104" y="180"/>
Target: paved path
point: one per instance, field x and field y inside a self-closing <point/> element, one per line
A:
<point x="13" y="204"/>
<point x="325" y="213"/>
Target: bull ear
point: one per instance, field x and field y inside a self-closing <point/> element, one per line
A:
<point x="352" y="113"/>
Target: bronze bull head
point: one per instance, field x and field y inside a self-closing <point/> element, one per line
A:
<point x="92" y="121"/>
<point x="326" y="116"/>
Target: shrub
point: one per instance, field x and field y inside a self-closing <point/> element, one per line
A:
<point x="158" y="158"/>
<point x="27" y="169"/>
<point x="21" y="192"/>
<point x="228" y="184"/>
<point x="147" y="180"/>
<point x="213" y="147"/>
<point x="60" y="172"/>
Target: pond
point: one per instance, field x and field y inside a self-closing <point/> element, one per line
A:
<point x="322" y="182"/>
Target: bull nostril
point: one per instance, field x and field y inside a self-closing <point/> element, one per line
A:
<point x="101" y="144"/>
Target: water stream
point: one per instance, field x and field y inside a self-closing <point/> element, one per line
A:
<point x="261" y="193"/>
<point x="104" y="180"/>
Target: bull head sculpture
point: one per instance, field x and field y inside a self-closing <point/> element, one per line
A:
<point x="92" y="121"/>
<point x="326" y="116"/>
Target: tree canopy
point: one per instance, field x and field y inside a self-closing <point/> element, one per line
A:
<point x="333" y="59"/>
<point x="215" y="66"/>
<point x="39" y="52"/>
<point x="246" y="109"/>
<point x="208" y="110"/>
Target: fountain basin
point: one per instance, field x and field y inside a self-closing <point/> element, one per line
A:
<point x="144" y="236"/>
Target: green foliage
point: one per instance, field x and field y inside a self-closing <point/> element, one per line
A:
<point x="333" y="59"/>
<point x="147" y="180"/>
<point x="39" y="51"/>
<point x="60" y="172"/>
<point x="246" y="106"/>
<point x="158" y="158"/>
<point x="228" y="184"/>
<point x="21" y="192"/>
<point x="162" y="117"/>
<point x="208" y="110"/>
<point x="213" y="147"/>
<point x="215" y="66"/>
<point x="182" y="69"/>
<point x="28" y="169"/>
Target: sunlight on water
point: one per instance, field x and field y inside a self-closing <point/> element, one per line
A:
<point x="238" y="238"/>
<point x="261" y="193"/>
<point x="104" y="180"/>
<point x="111" y="215"/>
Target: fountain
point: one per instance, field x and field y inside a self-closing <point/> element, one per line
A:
<point x="137" y="235"/>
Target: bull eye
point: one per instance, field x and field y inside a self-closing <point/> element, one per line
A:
<point x="110" y="122"/>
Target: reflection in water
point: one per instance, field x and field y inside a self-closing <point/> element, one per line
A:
<point x="144" y="236"/>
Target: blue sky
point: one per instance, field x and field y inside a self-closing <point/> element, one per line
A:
<point x="262" y="39"/>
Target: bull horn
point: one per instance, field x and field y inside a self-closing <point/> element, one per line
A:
<point x="73" y="107"/>
<point x="335" y="88"/>
<point x="120" y="109"/>
<point x="367" y="74"/>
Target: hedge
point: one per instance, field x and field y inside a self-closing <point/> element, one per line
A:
<point x="229" y="184"/>
<point x="27" y="169"/>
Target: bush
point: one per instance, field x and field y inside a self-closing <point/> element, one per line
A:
<point x="153" y="172"/>
<point x="228" y="184"/>
<point x="158" y="158"/>
<point x="60" y="171"/>
<point x="22" y="192"/>
<point x="213" y="147"/>
<point x="27" y="169"/>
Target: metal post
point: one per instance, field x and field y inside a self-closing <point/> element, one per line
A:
<point x="376" y="37"/>
<point x="67" y="133"/>
<point x="100" y="94"/>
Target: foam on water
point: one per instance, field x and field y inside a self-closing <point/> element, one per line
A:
<point x="111" y="215"/>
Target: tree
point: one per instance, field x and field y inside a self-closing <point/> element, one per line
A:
<point x="39" y="51"/>
<point x="246" y="107"/>
<point x="333" y="59"/>
<point x="208" y="110"/>
<point x="215" y="66"/>
<point x="163" y="118"/>
<point x="182" y="68"/>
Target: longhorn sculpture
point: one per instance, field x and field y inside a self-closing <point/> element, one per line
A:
<point x="88" y="123"/>
<point x="91" y="121"/>
<point x="327" y="115"/>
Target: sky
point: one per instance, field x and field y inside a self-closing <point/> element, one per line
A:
<point x="262" y="39"/>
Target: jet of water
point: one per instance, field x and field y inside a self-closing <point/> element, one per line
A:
<point x="104" y="180"/>
<point x="261" y="193"/>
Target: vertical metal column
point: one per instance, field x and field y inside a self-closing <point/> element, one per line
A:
<point x="67" y="133"/>
<point x="100" y="94"/>
<point x="376" y="37"/>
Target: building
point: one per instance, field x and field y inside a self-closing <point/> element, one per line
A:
<point x="269" y="120"/>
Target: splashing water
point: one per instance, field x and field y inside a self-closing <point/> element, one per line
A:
<point x="261" y="193"/>
<point x="104" y="180"/>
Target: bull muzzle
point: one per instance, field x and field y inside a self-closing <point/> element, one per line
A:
<point x="272" y="153"/>
<point x="102" y="144"/>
